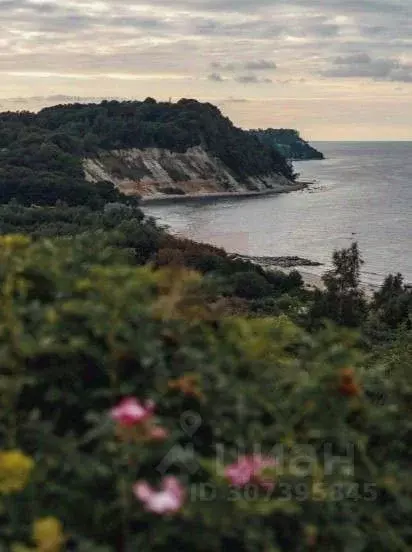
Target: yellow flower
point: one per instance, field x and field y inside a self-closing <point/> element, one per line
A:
<point x="15" y="470"/>
<point x="48" y="534"/>
<point x="14" y="241"/>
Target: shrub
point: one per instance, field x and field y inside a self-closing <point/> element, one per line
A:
<point x="250" y="285"/>
<point x="227" y="439"/>
<point x="165" y="257"/>
<point x="390" y="309"/>
<point x="284" y="283"/>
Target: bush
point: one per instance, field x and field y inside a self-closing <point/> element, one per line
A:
<point x="284" y="283"/>
<point x="81" y="329"/>
<point x="250" y="285"/>
<point x="390" y="309"/>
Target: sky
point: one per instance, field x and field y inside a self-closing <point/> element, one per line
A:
<point x="334" y="69"/>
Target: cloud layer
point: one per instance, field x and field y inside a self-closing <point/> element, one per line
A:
<point x="211" y="49"/>
<point x="363" y="66"/>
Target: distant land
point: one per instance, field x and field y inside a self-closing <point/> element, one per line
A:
<point x="288" y="142"/>
<point x="146" y="149"/>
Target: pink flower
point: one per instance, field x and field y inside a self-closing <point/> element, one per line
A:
<point x="250" y="470"/>
<point x="130" y="412"/>
<point x="168" y="500"/>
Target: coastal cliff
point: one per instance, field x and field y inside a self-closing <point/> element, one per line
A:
<point x="188" y="148"/>
<point x="156" y="172"/>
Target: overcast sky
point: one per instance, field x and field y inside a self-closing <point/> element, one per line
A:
<point x="335" y="69"/>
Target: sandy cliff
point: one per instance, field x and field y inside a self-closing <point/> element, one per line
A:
<point x="155" y="172"/>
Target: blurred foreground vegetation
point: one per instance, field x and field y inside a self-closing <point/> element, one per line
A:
<point x="99" y="305"/>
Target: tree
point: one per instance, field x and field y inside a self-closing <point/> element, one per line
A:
<point x="391" y="308"/>
<point x="250" y="285"/>
<point x="343" y="301"/>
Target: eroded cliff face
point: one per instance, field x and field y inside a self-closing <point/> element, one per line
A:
<point x="155" y="172"/>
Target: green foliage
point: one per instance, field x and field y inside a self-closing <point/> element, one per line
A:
<point x="237" y="277"/>
<point x="123" y="227"/>
<point x="41" y="154"/>
<point x="40" y="167"/>
<point x="250" y="285"/>
<point x="288" y="142"/>
<point x="118" y="226"/>
<point x="80" y="327"/>
<point x="343" y="301"/>
<point x="285" y="282"/>
<point x="390" y="309"/>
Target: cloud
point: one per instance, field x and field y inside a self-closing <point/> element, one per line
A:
<point x="235" y="100"/>
<point x="121" y="36"/>
<point x="252" y="79"/>
<point x="247" y="79"/>
<point x="402" y="74"/>
<point x="130" y="48"/>
<point x="224" y="66"/>
<point x="259" y="65"/>
<point x="353" y="59"/>
<point x="324" y="30"/>
<point x="262" y="65"/>
<point x="357" y="6"/>
<point x="363" y="65"/>
<point x="215" y="77"/>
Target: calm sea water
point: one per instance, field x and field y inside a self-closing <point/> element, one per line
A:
<point x="362" y="192"/>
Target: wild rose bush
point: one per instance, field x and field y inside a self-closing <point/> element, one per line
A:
<point x="135" y="415"/>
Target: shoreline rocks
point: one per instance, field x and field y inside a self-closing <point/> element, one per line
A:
<point x="283" y="262"/>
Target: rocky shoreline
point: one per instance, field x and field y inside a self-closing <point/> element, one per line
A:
<point x="282" y="262"/>
<point x="174" y="198"/>
<point x="287" y="264"/>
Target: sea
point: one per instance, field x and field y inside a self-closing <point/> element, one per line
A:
<point x="361" y="192"/>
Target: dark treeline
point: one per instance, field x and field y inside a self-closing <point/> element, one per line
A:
<point x="288" y="142"/>
<point x="41" y="154"/>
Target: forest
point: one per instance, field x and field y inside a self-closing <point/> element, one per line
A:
<point x="41" y="154"/>
<point x="288" y="142"/>
<point x="159" y="394"/>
